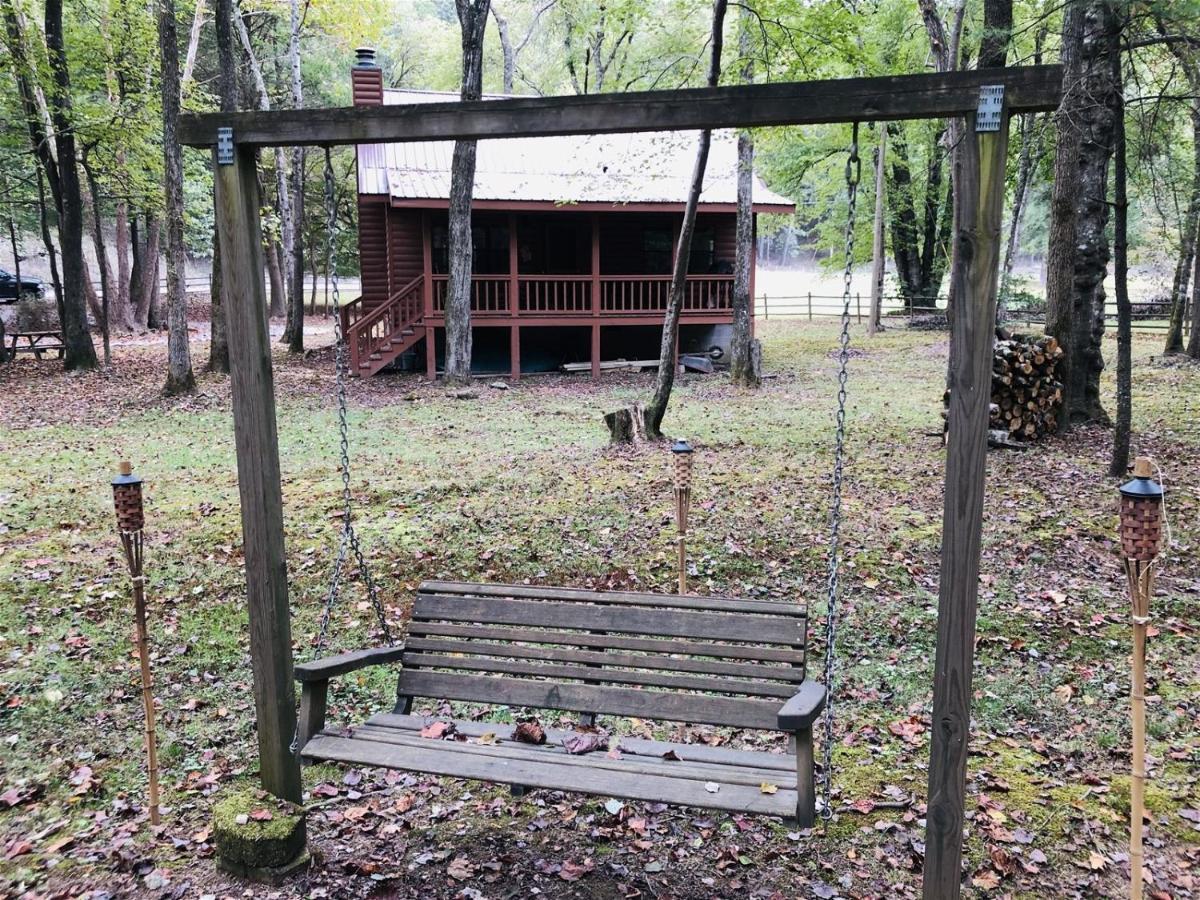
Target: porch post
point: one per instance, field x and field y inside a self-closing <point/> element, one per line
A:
<point x="595" y="295"/>
<point x="256" y="440"/>
<point x="427" y="262"/>
<point x="427" y="294"/>
<point x="753" y="268"/>
<point x="514" y="297"/>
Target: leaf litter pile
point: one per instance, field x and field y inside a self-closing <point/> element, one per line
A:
<point x="517" y="485"/>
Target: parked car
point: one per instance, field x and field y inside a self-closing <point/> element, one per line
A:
<point x="29" y="287"/>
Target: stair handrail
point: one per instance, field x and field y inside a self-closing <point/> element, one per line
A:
<point x="355" y="331"/>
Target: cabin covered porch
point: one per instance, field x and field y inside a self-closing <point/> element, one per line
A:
<point x="599" y="277"/>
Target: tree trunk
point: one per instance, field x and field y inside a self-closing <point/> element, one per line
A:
<point x="294" y="333"/>
<point x="1193" y="347"/>
<point x="146" y="286"/>
<point x="16" y="252"/>
<point x="1026" y="162"/>
<point x="189" y="64"/>
<point x="472" y="17"/>
<point x="154" y="316"/>
<point x="227" y="90"/>
<point x="1078" y="253"/>
<point x="1120" y="448"/>
<point x="286" y="242"/>
<point x="123" y="314"/>
<point x="878" y="260"/>
<point x="80" y="353"/>
<point x="180" y="379"/>
<point x="506" y="50"/>
<point x="278" y="303"/>
<point x="135" y="272"/>
<point x="920" y="255"/>
<point x="101" y="261"/>
<point x="665" y="381"/>
<point x="1187" y="249"/>
<point x="218" y="348"/>
<point x="48" y="242"/>
<point x="741" y="363"/>
<point x="997" y="33"/>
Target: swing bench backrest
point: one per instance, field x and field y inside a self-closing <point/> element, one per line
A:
<point x="614" y="653"/>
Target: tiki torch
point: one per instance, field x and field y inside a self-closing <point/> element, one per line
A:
<point x="127" y="498"/>
<point x="1141" y="531"/>
<point x="682" y="452"/>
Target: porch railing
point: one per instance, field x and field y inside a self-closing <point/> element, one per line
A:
<point x="625" y="295"/>
<point x="489" y="294"/>
<point x="620" y="295"/>
<point x="558" y="294"/>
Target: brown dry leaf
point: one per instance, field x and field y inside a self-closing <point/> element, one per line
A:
<point x="261" y="815"/>
<point x="460" y="868"/>
<point x="767" y="788"/>
<point x="573" y="871"/>
<point x="530" y="733"/>
<point x="488" y="737"/>
<point x="986" y="880"/>
<point x="1064" y="692"/>
<point x="437" y="730"/>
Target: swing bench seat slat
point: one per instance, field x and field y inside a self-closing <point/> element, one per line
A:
<point x="696" y="660"/>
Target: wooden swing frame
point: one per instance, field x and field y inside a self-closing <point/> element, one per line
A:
<point x="979" y="174"/>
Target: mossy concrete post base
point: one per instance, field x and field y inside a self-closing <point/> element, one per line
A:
<point x="258" y="836"/>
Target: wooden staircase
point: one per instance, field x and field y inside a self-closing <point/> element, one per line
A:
<point x="377" y="337"/>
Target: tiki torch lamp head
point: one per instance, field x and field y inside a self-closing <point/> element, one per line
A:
<point x="1141" y="513"/>
<point x="682" y="451"/>
<point x="127" y="498"/>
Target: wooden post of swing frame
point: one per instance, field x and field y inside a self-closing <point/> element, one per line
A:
<point x="257" y="443"/>
<point x="979" y="201"/>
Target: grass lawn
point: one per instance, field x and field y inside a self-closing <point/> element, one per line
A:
<point x="519" y="485"/>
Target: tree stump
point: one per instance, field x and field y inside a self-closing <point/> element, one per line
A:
<point x="258" y="836"/>
<point x="626" y="426"/>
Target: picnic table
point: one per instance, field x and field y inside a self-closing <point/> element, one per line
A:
<point x="37" y="342"/>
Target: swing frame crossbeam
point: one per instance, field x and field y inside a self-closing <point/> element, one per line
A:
<point x="979" y="173"/>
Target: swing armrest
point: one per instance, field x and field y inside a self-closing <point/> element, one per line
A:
<point x="328" y="667"/>
<point x="799" y="713"/>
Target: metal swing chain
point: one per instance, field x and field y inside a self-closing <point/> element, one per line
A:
<point x="349" y="540"/>
<point x="853" y="176"/>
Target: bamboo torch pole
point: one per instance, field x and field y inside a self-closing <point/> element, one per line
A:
<point x="682" y="452"/>
<point x="127" y="498"/>
<point x="1141" y="531"/>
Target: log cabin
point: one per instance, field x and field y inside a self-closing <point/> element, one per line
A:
<point x="574" y="240"/>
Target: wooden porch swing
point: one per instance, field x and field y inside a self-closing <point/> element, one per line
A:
<point x="696" y="660"/>
<point x="670" y="657"/>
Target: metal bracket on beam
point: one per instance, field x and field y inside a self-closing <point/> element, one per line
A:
<point x="991" y="107"/>
<point x="225" y="146"/>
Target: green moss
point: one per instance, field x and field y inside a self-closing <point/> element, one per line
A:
<point x="1165" y="796"/>
<point x="248" y="843"/>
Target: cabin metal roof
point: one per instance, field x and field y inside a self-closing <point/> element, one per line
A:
<point x="614" y="169"/>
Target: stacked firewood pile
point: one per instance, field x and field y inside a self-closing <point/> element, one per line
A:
<point x="1026" y="392"/>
